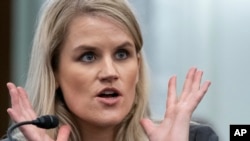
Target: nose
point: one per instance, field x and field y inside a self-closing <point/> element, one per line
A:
<point x="108" y="71"/>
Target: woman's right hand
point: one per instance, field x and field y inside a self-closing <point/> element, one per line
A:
<point x="21" y="110"/>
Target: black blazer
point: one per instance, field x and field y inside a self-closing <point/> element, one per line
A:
<point x="196" y="133"/>
<point x="202" y="133"/>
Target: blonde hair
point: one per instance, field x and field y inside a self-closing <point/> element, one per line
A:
<point x="50" y="33"/>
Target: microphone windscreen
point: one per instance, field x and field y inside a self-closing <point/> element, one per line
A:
<point x="46" y="122"/>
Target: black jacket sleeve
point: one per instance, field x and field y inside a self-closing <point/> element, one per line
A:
<point x="197" y="132"/>
<point x="202" y="133"/>
<point x="5" y="139"/>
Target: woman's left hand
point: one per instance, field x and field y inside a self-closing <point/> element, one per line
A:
<point x="175" y="125"/>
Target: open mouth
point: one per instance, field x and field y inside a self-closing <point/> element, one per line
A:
<point x="108" y="94"/>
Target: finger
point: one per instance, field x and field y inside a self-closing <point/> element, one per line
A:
<point x="188" y="82"/>
<point x="171" y="96"/>
<point x="201" y="93"/>
<point x="63" y="133"/>
<point x="197" y="80"/>
<point x="19" y="110"/>
<point x="23" y="110"/>
<point x="24" y="97"/>
<point x="12" y="114"/>
<point x="205" y="86"/>
<point x="26" y="105"/>
<point x="14" y="96"/>
<point x="148" y="126"/>
<point x="171" y="91"/>
<point x="203" y="90"/>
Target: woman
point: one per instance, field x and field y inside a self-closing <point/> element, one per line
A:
<point x="87" y="68"/>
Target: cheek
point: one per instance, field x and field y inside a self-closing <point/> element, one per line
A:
<point x="72" y="90"/>
<point x="133" y="75"/>
<point x="74" y="78"/>
<point x="72" y="84"/>
<point x="130" y="78"/>
<point x="131" y="83"/>
<point x="75" y="86"/>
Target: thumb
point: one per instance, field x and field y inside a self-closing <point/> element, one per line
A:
<point x="147" y="125"/>
<point x="63" y="133"/>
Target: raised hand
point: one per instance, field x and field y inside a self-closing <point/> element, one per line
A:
<point x="175" y="125"/>
<point x="21" y="110"/>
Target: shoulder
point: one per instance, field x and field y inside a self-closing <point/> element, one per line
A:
<point x="200" y="132"/>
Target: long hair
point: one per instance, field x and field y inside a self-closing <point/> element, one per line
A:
<point x="51" y="30"/>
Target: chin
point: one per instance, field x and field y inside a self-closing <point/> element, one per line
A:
<point x="111" y="122"/>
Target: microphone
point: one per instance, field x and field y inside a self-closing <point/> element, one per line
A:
<point x="45" y="122"/>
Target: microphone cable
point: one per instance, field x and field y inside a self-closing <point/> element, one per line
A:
<point x="45" y="122"/>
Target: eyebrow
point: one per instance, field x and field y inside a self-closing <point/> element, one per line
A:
<point x="84" y="47"/>
<point x="93" y="48"/>
<point x="125" y="44"/>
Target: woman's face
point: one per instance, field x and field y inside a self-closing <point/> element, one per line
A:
<point x="98" y="71"/>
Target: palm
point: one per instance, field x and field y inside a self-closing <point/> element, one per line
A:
<point x="175" y="125"/>
<point x="22" y="110"/>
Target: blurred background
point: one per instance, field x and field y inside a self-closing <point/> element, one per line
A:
<point x="213" y="35"/>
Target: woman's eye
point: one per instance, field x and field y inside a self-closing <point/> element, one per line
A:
<point x="88" y="57"/>
<point x="121" y="54"/>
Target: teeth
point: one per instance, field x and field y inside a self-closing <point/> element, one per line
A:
<point x="108" y="92"/>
